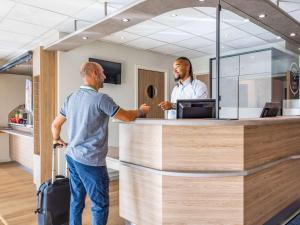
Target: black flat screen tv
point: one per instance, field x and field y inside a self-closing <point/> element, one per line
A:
<point x="112" y="70"/>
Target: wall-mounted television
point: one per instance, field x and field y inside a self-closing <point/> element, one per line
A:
<point x="112" y="70"/>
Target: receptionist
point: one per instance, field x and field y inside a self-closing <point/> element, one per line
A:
<point x="186" y="88"/>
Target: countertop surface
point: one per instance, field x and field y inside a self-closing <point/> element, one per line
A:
<point x="214" y="122"/>
<point x="16" y="132"/>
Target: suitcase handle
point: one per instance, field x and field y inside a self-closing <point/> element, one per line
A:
<point x="54" y="173"/>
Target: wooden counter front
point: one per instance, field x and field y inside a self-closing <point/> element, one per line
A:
<point x="199" y="172"/>
<point x="20" y="147"/>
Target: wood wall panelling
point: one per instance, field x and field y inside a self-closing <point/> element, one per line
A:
<point x="141" y="144"/>
<point x="188" y="148"/>
<point x="270" y="191"/>
<point x="48" y="111"/>
<point x="36" y="113"/>
<point x="21" y="150"/>
<point x="45" y="66"/>
<point x="140" y="196"/>
<point x="203" y="201"/>
<point x="271" y="142"/>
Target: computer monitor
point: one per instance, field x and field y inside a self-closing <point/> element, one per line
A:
<point x="196" y="108"/>
<point x="271" y="109"/>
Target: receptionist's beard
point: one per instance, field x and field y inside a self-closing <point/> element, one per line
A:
<point x="177" y="78"/>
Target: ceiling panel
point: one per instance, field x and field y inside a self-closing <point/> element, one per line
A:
<point x="252" y="28"/>
<point x="211" y="11"/>
<point x="246" y="42"/>
<point x="190" y="54"/>
<point x="195" y="42"/>
<point x="204" y="26"/>
<point x="6" y="6"/>
<point x="121" y="37"/>
<point x="168" y="49"/>
<point x="92" y="13"/>
<point x="269" y="37"/>
<point x="147" y="28"/>
<point x="145" y="43"/>
<point x="296" y="15"/>
<point x="289" y="6"/>
<point x="8" y="36"/>
<point x="232" y="19"/>
<point x="4" y="53"/>
<point x="212" y="49"/>
<point x="48" y="38"/>
<point x="22" y="27"/>
<point x="180" y="17"/>
<point x="68" y="26"/>
<point x="36" y="16"/>
<point x="65" y="7"/>
<point x="171" y="36"/>
<point x="229" y="34"/>
<point x="11" y="45"/>
<point x="226" y="15"/>
<point x="118" y="4"/>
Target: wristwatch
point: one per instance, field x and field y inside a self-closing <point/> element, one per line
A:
<point x="141" y="114"/>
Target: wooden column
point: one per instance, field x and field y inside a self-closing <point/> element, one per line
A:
<point x="45" y="98"/>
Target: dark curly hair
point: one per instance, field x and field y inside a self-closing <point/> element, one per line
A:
<point x="191" y="67"/>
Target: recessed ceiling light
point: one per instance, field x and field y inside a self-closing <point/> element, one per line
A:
<point x="201" y="0"/>
<point x="292" y="34"/>
<point x="246" y="20"/>
<point x="278" y="37"/>
<point x="174" y="15"/>
<point x="262" y="16"/>
<point x="299" y="49"/>
<point x="85" y="38"/>
<point x="122" y="37"/>
<point x="125" y="20"/>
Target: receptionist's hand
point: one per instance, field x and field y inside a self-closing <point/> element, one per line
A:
<point x="166" y="105"/>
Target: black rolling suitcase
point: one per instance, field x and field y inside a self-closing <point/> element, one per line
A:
<point x="53" y="198"/>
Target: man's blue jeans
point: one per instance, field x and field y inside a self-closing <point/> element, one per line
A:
<point x="91" y="180"/>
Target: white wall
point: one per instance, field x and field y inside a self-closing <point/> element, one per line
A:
<point x="69" y="78"/>
<point x="12" y="94"/>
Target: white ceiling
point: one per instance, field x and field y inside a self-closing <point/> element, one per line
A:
<point x="26" y="24"/>
<point x="292" y="7"/>
<point x="191" y="32"/>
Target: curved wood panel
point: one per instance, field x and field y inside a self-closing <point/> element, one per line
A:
<point x="262" y="158"/>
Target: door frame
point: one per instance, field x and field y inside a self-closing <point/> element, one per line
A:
<point x="136" y="84"/>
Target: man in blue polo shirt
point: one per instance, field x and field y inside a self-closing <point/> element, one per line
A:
<point x="88" y="112"/>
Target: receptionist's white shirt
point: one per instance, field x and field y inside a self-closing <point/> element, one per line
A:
<point x="187" y="90"/>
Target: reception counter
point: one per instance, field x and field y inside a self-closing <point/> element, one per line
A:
<point x="20" y="145"/>
<point x="200" y="172"/>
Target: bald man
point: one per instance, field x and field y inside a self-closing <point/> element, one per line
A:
<point x="88" y="112"/>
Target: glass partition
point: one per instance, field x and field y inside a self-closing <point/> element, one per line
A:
<point x="255" y="68"/>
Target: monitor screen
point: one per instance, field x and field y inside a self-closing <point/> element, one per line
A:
<point x="196" y="108"/>
<point x="112" y="70"/>
<point x="271" y="109"/>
